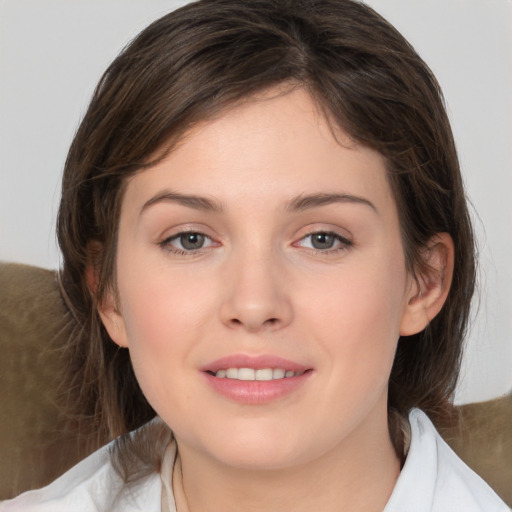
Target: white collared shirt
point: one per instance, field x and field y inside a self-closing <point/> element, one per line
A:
<point x="433" y="479"/>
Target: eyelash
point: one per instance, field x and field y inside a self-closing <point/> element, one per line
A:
<point x="167" y="244"/>
<point x="344" y="243"/>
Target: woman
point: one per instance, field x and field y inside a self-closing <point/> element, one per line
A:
<point x="266" y="244"/>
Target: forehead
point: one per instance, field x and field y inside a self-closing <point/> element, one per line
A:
<point x="276" y="143"/>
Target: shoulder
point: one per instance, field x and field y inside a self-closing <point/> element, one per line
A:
<point x="91" y="486"/>
<point x="434" y="479"/>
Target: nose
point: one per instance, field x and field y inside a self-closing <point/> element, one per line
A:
<point x="256" y="294"/>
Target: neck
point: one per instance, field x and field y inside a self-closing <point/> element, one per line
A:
<point x="355" y="476"/>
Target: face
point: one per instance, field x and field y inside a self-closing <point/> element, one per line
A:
<point x="262" y="286"/>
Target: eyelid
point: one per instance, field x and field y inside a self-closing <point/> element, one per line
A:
<point x="344" y="242"/>
<point x="183" y="228"/>
<point x="166" y="242"/>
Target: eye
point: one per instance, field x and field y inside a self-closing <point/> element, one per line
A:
<point x="324" y="241"/>
<point x="191" y="241"/>
<point x="187" y="242"/>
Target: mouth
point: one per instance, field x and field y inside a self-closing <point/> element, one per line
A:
<point x="252" y="374"/>
<point x="255" y="380"/>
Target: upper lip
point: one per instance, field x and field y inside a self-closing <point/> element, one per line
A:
<point x="256" y="362"/>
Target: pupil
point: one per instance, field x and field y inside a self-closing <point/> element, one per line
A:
<point x="192" y="241"/>
<point x="322" y="241"/>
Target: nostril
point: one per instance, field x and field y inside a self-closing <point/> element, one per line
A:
<point x="269" y="322"/>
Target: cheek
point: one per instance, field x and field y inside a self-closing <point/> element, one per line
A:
<point x="163" y="316"/>
<point x="160" y="306"/>
<point x="358" y="319"/>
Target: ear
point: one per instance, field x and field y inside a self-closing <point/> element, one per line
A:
<point x="107" y="308"/>
<point x="112" y="319"/>
<point x="429" y="289"/>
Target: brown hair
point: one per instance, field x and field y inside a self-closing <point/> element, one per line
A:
<point x="193" y="64"/>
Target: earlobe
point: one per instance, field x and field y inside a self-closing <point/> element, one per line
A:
<point x="113" y="319"/>
<point x="429" y="289"/>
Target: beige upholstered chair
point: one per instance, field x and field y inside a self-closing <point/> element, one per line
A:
<point x="37" y="441"/>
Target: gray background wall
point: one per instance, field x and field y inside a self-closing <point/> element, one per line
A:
<point x="52" y="53"/>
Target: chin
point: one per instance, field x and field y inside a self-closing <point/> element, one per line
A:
<point x="258" y="449"/>
<point x="270" y="452"/>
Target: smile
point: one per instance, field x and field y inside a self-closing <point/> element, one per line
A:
<point x="248" y="374"/>
<point x="255" y="380"/>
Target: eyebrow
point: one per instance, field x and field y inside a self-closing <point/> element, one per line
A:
<point x="190" y="201"/>
<point x="305" y="202"/>
<point x="299" y="203"/>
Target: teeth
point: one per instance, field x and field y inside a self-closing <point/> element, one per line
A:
<point x="232" y="373"/>
<point x="265" y="374"/>
<point x="252" y="374"/>
<point x="246" y="374"/>
<point x="278" y="373"/>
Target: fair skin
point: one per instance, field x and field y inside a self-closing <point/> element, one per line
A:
<point x="264" y="240"/>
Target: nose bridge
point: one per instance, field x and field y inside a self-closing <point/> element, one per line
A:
<point x="256" y="293"/>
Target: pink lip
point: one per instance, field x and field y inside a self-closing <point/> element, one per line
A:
<point x="256" y="362"/>
<point x="255" y="392"/>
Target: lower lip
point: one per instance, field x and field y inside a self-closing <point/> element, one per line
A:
<point x="256" y="392"/>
